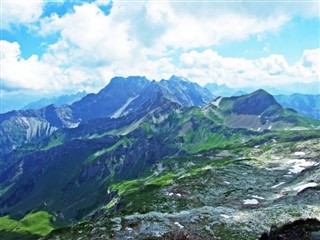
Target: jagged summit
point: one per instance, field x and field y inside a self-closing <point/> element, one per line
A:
<point x="124" y="80"/>
<point x="178" y="78"/>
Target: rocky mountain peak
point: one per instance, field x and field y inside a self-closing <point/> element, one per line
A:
<point x="255" y="103"/>
<point x="175" y="78"/>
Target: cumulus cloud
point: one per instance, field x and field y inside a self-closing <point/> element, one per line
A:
<point x="311" y="60"/>
<point x="191" y="25"/>
<point x="14" y="13"/>
<point x="37" y="74"/>
<point x="93" y="37"/>
<point x="20" y="73"/>
<point x="144" y="38"/>
<point x="208" y="66"/>
<point x="47" y="74"/>
<point x="154" y="28"/>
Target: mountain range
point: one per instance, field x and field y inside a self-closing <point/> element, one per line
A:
<point x="138" y="157"/>
<point x="59" y="101"/>
<point x="119" y="98"/>
<point x="307" y="105"/>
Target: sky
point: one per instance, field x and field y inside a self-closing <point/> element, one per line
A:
<point x="53" y="47"/>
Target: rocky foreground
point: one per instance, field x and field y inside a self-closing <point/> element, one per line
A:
<point x="229" y="194"/>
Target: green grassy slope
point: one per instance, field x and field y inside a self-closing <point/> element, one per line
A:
<point x="32" y="226"/>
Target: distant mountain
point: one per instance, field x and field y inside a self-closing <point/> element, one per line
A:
<point x="221" y="90"/>
<point x="239" y="93"/>
<point x="121" y="97"/>
<point x="308" y="105"/>
<point x="14" y="101"/>
<point x="59" y="101"/>
<point x="286" y="89"/>
<point x="303" y="88"/>
<point x="257" y="111"/>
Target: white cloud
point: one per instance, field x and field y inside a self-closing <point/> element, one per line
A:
<point x="48" y="74"/>
<point x="37" y="74"/>
<point x="194" y="32"/>
<point x="208" y="66"/>
<point x="192" y="25"/>
<point x="20" y="73"/>
<point x="307" y="69"/>
<point x="274" y="64"/>
<point x="92" y="37"/>
<point x="311" y="60"/>
<point x="153" y="28"/>
<point x="140" y="38"/>
<point x="14" y="13"/>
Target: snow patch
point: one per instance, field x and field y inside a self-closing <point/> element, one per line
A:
<point x="170" y="194"/>
<point x="299" y="153"/>
<point x="250" y="201"/>
<point x="217" y="102"/>
<point x="178" y="225"/>
<point x="277" y="185"/>
<point x="295" y="169"/>
<point x="258" y="197"/>
<point x="304" y="186"/>
<point x="120" y="110"/>
<point x="299" y="165"/>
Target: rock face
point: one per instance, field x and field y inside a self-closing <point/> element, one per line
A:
<point x="27" y="126"/>
<point x="110" y="99"/>
<point x="185" y="92"/>
<point x="299" y="230"/>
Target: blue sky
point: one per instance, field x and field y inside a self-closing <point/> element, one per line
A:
<point x="67" y="46"/>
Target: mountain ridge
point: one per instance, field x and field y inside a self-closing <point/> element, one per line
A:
<point x="120" y="96"/>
